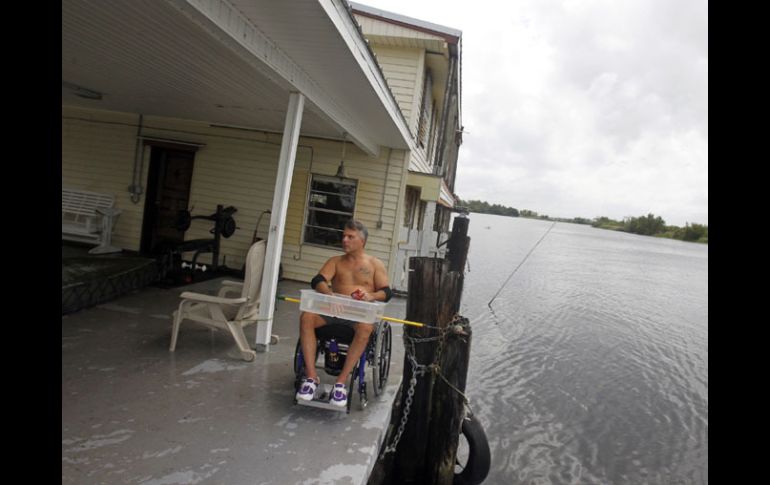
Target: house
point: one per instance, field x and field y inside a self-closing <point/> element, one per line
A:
<point x="421" y="63"/>
<point x="299" y="114"/>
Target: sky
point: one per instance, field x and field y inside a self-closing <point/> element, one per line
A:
<point x="581" y="108"/>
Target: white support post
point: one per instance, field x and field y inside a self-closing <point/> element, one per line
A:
<point x="427" y="236"/>
<point x="278" y="220"/>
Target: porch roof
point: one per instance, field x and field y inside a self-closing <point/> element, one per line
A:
<point x="230" y="63"/>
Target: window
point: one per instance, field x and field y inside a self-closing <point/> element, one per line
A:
<point x="441" y="221"/>
<point x="412" y="199"/>
<point x="331" y="203"/>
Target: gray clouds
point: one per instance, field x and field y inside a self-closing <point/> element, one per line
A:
<point x="582" y="108"/>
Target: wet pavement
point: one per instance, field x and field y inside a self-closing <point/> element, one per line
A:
<point x="134" y="412"/>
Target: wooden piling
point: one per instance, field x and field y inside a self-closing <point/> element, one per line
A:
<point x="427" y="448"/>
<point x="448" y="405"/>
<point x="458" y="245"/>
<point x="434" y="296"/>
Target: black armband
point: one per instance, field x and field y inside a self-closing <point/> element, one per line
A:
<point x="388" y="292"/>
<point x="317" y="279"/>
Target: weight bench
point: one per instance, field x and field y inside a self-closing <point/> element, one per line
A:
<point x="88" y="217"/>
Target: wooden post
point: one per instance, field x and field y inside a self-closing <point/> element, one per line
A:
<point x="434" y="298"/>
<point x="459" y="242"/>
<point x="448" y="406"/>
<point x="427" y="448"/>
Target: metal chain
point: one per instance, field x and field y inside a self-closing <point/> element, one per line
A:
<point x="419" y="370"/>
<point x="416" y="370"/>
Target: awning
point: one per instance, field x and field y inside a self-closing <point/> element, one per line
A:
<point x="432" y="188"/>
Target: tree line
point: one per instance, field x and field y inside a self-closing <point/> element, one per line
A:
<point x="484" y="207"/>
<point x="649" y="225"/>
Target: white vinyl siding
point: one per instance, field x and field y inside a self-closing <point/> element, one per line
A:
<point x="97" y="155"/>
<point x="401" y="67"/>
<point x="404" y="70"/>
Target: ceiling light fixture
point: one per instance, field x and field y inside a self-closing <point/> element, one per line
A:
<point x="341" y="168"/>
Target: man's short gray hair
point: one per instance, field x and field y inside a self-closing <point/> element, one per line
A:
<point x="356" y="225"/>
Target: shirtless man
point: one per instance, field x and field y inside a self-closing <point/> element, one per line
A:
<point x="351" y="272"/>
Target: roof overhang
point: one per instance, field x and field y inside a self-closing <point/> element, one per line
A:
<point x="449" y="34"/>
<point x="230" y="63"/>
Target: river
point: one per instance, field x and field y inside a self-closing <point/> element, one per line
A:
<point x="592" y="364"/>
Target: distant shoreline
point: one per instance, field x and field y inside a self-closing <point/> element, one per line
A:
<point x="668" y="232"/>
<point x="666" y="235"/>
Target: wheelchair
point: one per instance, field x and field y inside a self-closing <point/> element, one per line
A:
<point x="333" y="342"/>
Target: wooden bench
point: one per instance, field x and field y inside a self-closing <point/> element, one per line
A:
<point x="88" y="217"/>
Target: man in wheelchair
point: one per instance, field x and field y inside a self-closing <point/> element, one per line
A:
<point x="357" y="274"/>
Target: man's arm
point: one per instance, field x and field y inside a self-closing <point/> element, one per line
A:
<point x="327" y="273"/>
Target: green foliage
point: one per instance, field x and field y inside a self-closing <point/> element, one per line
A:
<point x="646" y="225"/>
<point x="484" y="207"/>
<point x="581" y="220"/>
<point x="607" y="223"/>
<point x="650" y="225"/>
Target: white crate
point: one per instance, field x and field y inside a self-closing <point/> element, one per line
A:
<point x="341" y="306"/>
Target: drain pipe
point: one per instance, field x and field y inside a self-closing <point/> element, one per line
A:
<point x="437" y="167"/>
<point x="135" y="189"/>
<point x="384" y="186"/>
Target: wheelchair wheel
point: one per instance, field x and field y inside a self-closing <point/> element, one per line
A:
<point x="356" y="382"/>
<point x="299" y="365"/>
<point x="381" y="362"/>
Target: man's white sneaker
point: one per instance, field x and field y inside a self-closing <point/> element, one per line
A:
<point x="307" y="389"/>
<point x="339" y="395"/>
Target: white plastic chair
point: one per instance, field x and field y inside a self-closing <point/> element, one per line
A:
<point x="227" y="313"/>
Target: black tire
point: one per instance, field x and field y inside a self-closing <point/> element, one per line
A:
<point x="381" y="362"/>
<point x="299" y="366"/>
<point x="479" y="456"/>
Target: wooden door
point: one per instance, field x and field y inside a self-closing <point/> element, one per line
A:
<point x="168" y="191"/>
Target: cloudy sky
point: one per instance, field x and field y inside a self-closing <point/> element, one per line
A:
<point x="581" y="108"/>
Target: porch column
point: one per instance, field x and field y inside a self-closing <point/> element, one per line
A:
<point x="278" y="220"/>
<point x="427" y="238"/>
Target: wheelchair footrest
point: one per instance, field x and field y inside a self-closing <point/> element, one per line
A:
<point x="322" y="399"/>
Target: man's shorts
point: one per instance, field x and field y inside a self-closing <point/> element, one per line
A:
<point x="338" y="321"/>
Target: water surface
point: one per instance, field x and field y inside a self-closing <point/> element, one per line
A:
<point x="592" y="365"/>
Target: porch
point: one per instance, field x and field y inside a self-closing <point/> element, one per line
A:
<point x="133" y="412"/>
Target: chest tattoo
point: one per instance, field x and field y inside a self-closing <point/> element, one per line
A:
<point x="364" y="271"/>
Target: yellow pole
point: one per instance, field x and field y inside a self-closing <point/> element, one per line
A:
<point x="405" y="322"/>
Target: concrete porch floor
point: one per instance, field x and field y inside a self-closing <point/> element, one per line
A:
<point x="133" y="412"/>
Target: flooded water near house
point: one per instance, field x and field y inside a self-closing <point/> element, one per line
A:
<point x="592" y="364"/>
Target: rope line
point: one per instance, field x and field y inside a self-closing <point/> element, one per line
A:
<point x="519" y="266"/>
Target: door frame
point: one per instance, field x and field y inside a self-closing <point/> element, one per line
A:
<point x="158" y="153"/>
